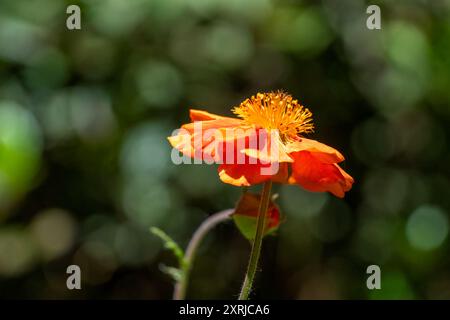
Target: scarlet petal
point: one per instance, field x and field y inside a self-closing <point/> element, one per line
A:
<point x="313" y="174"/>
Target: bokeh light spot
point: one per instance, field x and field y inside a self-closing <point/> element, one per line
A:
<point x="427" y="227"/>
<point x="54" y="232"/>
<point x="17" y="252"/>
<point x="300" y="203"/>
<point x="159" y="84"/>
<point x="20" y="150"/>
<point x="140" y="143"/>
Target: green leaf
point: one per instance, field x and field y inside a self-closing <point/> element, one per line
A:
<point x="170" y="244"/>
<point x="247" y="226"/>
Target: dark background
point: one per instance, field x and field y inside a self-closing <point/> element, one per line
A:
<point x="85" y="166"/>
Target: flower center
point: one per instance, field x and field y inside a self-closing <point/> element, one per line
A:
<point x="276" y="111"/>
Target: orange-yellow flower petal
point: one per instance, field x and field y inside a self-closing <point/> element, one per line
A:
<point x="313" y="174"/>
<point x="325" y="153"/>
<point x="220" y="139"/>
<point x="249" y="174"/>
<point x="182" y="142"/>
<point x="208" y="140"/>
<point x="269" y="148"/>
<point x="201" y="115"/>
<point x="212" y="124"/>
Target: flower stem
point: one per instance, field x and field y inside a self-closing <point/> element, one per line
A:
<point x="257" y="242"/>
<point x="179" y="292"/>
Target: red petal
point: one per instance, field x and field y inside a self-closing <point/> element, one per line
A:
<point x="313" y="174"/>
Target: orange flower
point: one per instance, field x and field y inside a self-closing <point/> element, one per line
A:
<point x="266" y="135"/>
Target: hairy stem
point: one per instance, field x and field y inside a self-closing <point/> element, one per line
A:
<point x="257" y="242"/>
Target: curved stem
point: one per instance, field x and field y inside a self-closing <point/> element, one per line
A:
<point x="257" y="242"/>
<point x="179" y="292"/>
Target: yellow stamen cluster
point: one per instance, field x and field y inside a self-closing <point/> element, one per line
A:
<point x="276" y="110"/>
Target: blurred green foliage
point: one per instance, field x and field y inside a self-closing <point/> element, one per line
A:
<point x="85" y="167"/>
